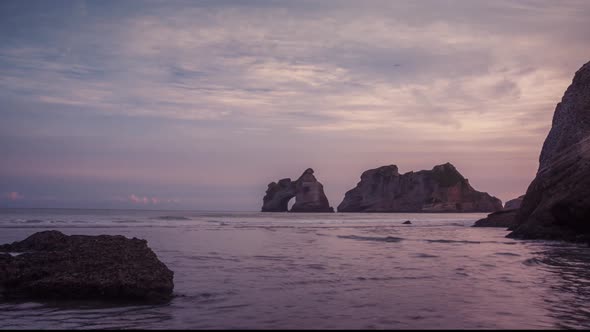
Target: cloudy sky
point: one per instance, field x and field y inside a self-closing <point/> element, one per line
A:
<point x="200" y="104"/>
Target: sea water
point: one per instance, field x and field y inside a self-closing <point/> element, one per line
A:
<point x="281" y="270"/>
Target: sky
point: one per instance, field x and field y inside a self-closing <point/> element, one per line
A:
<point x="200" y="104"/>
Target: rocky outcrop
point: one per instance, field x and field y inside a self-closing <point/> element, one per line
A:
<point x="442" y="189"/>
<point x="504" y="219"/>
<point x="307" y="190"/>
<point x="54" y="266"/>
<point x="514" y="204"/>
<point x="557" y="202"/>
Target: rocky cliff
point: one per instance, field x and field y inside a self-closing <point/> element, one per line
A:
<point x="557" y="202"/>
<point x="307" y="190"/>
<point x="442" y="189"/>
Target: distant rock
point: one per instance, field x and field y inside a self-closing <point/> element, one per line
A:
<point x="514" y="204"/>
<point x="442" y="189"/>
<point x="504" y="219"/>
<point x="407" y="222"/>
<point x="54" y="266"/>
<point x="307" y="190"/>
<point x="557" y="202"/>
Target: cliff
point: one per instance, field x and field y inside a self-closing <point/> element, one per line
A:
<point x="557" y="202"/>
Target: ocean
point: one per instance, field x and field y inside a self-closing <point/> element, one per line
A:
<point x="326" y="271"/>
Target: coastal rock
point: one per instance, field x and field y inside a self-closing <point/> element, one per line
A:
<point x="54" y="266"/>
<point x="307" y="190"/>
<point x="557" y="202"/>
<point x="504" y="219"/>
<point x="407" y="222"/>
<point x="514" y="204"/>
<point x="442" y="189"/>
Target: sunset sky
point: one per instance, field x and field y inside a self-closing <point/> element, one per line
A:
<point x="200" y="104"/>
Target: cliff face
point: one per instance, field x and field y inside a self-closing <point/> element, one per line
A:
<point x="557" y="202"/>
<point x="442" y="189"/>
<point x="307" y="190"/>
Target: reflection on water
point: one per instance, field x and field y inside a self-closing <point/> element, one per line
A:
<point x="569" y="267"/>
<point x="250" y="270"/>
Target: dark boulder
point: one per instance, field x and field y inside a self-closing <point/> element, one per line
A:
<point x="54" y="266"/>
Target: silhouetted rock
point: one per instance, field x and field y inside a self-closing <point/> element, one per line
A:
<point x="407" y="222"/>
<point x="557" y="202"/>
<point x="442" y="189"/>
<point x="307" y="190"/>
<point x="54" y="266"/>
<point x="514" y="204"/>
<point x="504" y="218"/>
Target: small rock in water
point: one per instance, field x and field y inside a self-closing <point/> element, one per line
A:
<point x="407" y="222"/>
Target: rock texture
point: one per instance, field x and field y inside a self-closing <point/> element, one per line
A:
<point x="557" y="202"/>
<point x="514" y="204"/>
<point x="54" y="266"/>
<point x="504" y="219"/>
<point x="307" y="190"/>
<point x="442" y="189"/>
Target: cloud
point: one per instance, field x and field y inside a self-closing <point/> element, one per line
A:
<point x="14" y="196"/>
<point x="203" y="92"/>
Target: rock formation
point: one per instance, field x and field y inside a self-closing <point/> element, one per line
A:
<point x="442" y="189"/>
<point x="557" y="202"/>
<point x="514" y="204"/>
<point x="307" y="190"/>
<point x="504" y="218"/>
<point x="54" y="266"/>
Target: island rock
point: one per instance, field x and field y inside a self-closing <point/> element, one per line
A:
<point x="442" y="189"/>
<point x="307" y="190"/>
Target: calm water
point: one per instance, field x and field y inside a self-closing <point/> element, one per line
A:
<point x="253" y="270"/>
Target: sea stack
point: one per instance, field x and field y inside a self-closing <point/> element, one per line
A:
<point x="442" y="189"/>
<point x="557" y="202"/>
<point x="307" y="190"/>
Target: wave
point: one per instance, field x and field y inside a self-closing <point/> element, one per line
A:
<point x="506" y="254"/>
<point x="453" y="241"/>
<point x="370" y="238"/>
<point x="173" y="218"/>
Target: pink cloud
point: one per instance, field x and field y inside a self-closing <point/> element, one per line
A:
<point x="14" y="196"/>
<point x="146" y="200"/>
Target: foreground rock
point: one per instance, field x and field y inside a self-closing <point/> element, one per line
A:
<point x="504" y="219"/>
<point x="442" y="189"/>
<point x="54" y="266"/>
<point x="307" y="190"/>
<point x="557" y="202"/>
